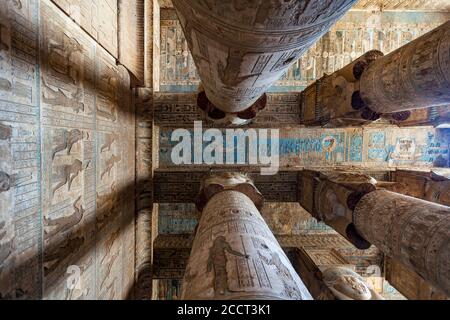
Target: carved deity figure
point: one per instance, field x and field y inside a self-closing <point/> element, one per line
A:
<point x="70" y="138"/>
<point x="60" y="57"/>
<point x="346" y="284"/>
<point x="67" y="173"/>
<point x="110" y="139"/>
<point x="110" y="164"/>
<point x="59" y="98"/>
<point x="217" y="261"/>
<point x="230" y="74"/>
<point x="65" y="223"/>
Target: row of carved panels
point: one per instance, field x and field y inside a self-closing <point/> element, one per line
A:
<point x="283" y="109"/>
<point x="183" y="187"/>
<point x="299" y="147"/>
<point x="66" y="160"/>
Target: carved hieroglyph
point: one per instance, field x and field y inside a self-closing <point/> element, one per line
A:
<point x="415" y="76"/>
<point x="413" y="231"/>
<point x="65" y="112"/>
<point x="236" y="256"/>
<point x="241" y="47"/>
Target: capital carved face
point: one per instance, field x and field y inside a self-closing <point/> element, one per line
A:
<point x="346" y="284"/>
<point x="352" y="287"/>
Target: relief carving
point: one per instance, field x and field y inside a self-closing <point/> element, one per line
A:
<point x="61" y="99"/>
<point x="6" y="182"/>
<point x="110" y="139"/>
<point x="110" y="163"/>
<point x="229" y="74"/>
<point x="70" y="138"/>
<point x="53" y="257"/>
<point x="61" y="55"/>
<point x="110" y="112"/>
<point x="67" y="173"/>
<point x="65" y="223"/>
<point x="107" y="206"/>
<point x="17" y="4"/>
<point x="291" y="289"/>
<point x="346" y="284"/>
<point x="5" y="85"/>
<point x="217" y="262"/>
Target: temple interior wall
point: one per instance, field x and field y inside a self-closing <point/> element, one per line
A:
<point x="67" y="149"/>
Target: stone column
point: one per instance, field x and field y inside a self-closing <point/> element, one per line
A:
<point x="331" y="197"/>
<point x="412" y="231"/>
<point x="242" y="47"/>
<point x="235" y="256"/>
<point x="429" y="186"/>
<point x="415" y="76"/>
<point x="332" y="98"/>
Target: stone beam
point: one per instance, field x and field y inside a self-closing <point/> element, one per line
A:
<point x="237" y="71"/>
<point x="144" y="193"/>
<point x="180" y="110"/>
<point x="172" y="186"/>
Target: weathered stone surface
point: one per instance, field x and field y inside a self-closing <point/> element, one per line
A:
<point x="428" y="186"/>
<point x="67" y="151"/>
<point x="346" y="284"/>
<point x="237" y="257"/>
<point x="236" y="71"/>
<point x="412" y="77"/>
<point x="97" y="17"/>
<point x="409" y="283"/>
<point x="131" y="37"/>
<point x="412" y="231"/>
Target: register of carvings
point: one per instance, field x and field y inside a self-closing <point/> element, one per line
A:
<point x="82" y="136"/>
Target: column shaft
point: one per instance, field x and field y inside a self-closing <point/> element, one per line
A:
<point x="415" y="76"/>
<point x="412" y="231"/>
<point x="242" y="47"/>
<point x="235" y="256"/>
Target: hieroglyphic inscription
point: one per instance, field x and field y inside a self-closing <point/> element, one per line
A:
<point x="237" y="256"/>
<point x="19" y="152"/>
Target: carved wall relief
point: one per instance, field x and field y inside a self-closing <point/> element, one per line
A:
<point x="50" y="225"/>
